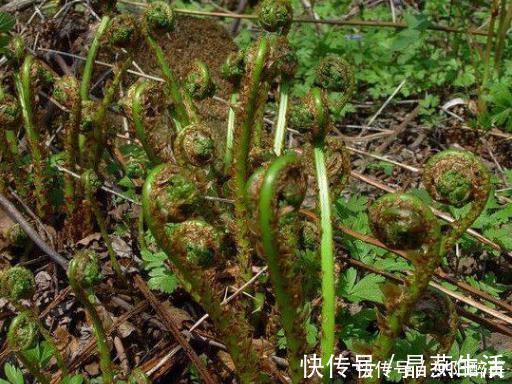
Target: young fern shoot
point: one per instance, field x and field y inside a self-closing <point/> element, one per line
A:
<point x="279" y="191"/>
<point x="312" y="117"/>
<point x="458" y="178"/>
<point x="17" y="284"/>
<point x="21" y="337"/>
<point x="269" y="57"/>
<point x="67" y="93"/>
<point x="402" y="221"/>
<point x="83" y="274"/>
<point x="32" y="75"/>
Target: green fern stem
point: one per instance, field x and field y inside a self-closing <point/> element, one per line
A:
<point x="91" y="57"/>
<point x="99" y="125"/>
<point x="280" y="134"/>
<point x="326" y="255"/>
<point x="24" y="89"/>
<point x="230" y="133"/>
<point x="89" y="179"/>
<point x="326" y="239"/>
<point x="251" y="97"/>
<point x="168" y="74"/>
<point x="267" y="219"/>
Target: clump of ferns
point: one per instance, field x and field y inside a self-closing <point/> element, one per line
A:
<point x="404" y="222"/>
<point x="17" y="284"/>
<point x="193" y="237"/>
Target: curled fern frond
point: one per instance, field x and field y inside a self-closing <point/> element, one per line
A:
<point x="66" y="91"/>
<point x="233" y="69"/>
<point x="17" y="283"/>
<point x="84" y="272"/>
<point x="199" y="241"/>
<point x="199" y="83"/>
<point x="16" y="236"/>
<point x="435" y="314"/>
<point x="458" y="178"/>
<point x="195" y="146"/>
<point x="23" y="333"/>
<point x="311" y="116"/>
<point x="146" y="106"/>
<point x="177" y="197"/>
<point x="282" y="59"/>
<point x="159" y="18"/>
<point x="10" y="112"/>
<point x="403" y="221"/>
<point x="275" y="16"/>
<point x="335" y="74"/>
<point x="123" y="32"/>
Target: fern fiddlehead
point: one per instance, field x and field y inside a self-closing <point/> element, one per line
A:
<point x="172" y="209"/>
<point x="17" y="284"/>
<point x="403" y="221"/>
<point x="83" y="274"/>
<point x="22" y="336"/>
<point x="194" y="146"/>
<point x="458" y="178"/>
<point x="434" y="314"/>
<point x="282" y="190"/>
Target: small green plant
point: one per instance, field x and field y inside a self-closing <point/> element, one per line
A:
<point x="17" y="284"/>
<point x="83" y="274"/>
